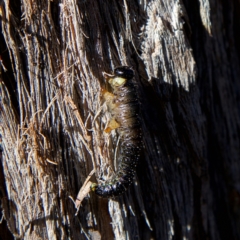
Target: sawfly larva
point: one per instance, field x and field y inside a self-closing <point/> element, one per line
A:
<point x="123" y="104"/>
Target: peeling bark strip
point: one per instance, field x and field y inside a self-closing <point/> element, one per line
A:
<point x="124" y="106"/>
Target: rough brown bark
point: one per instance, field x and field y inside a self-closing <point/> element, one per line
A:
<point x="186" y="58"/>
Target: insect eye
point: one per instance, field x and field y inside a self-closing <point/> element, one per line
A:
<point x="124" y="72"/>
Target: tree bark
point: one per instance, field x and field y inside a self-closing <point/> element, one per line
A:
<point x="186" y="60"/>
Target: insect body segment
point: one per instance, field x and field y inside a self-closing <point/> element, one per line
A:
<point x="124" y="106"/>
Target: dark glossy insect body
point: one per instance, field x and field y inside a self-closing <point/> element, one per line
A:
<point x="125" y="111"/>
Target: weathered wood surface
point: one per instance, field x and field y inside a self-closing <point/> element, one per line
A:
<point x="186" y="58"/>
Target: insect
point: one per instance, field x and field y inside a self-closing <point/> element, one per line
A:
<point x="123" y="104"/>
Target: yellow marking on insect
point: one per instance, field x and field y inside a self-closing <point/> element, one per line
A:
<point x="113" y="124"/>
<point x="117" y="81"/>
<point x="107" y="95"/>
<point x="93" y="187"/>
